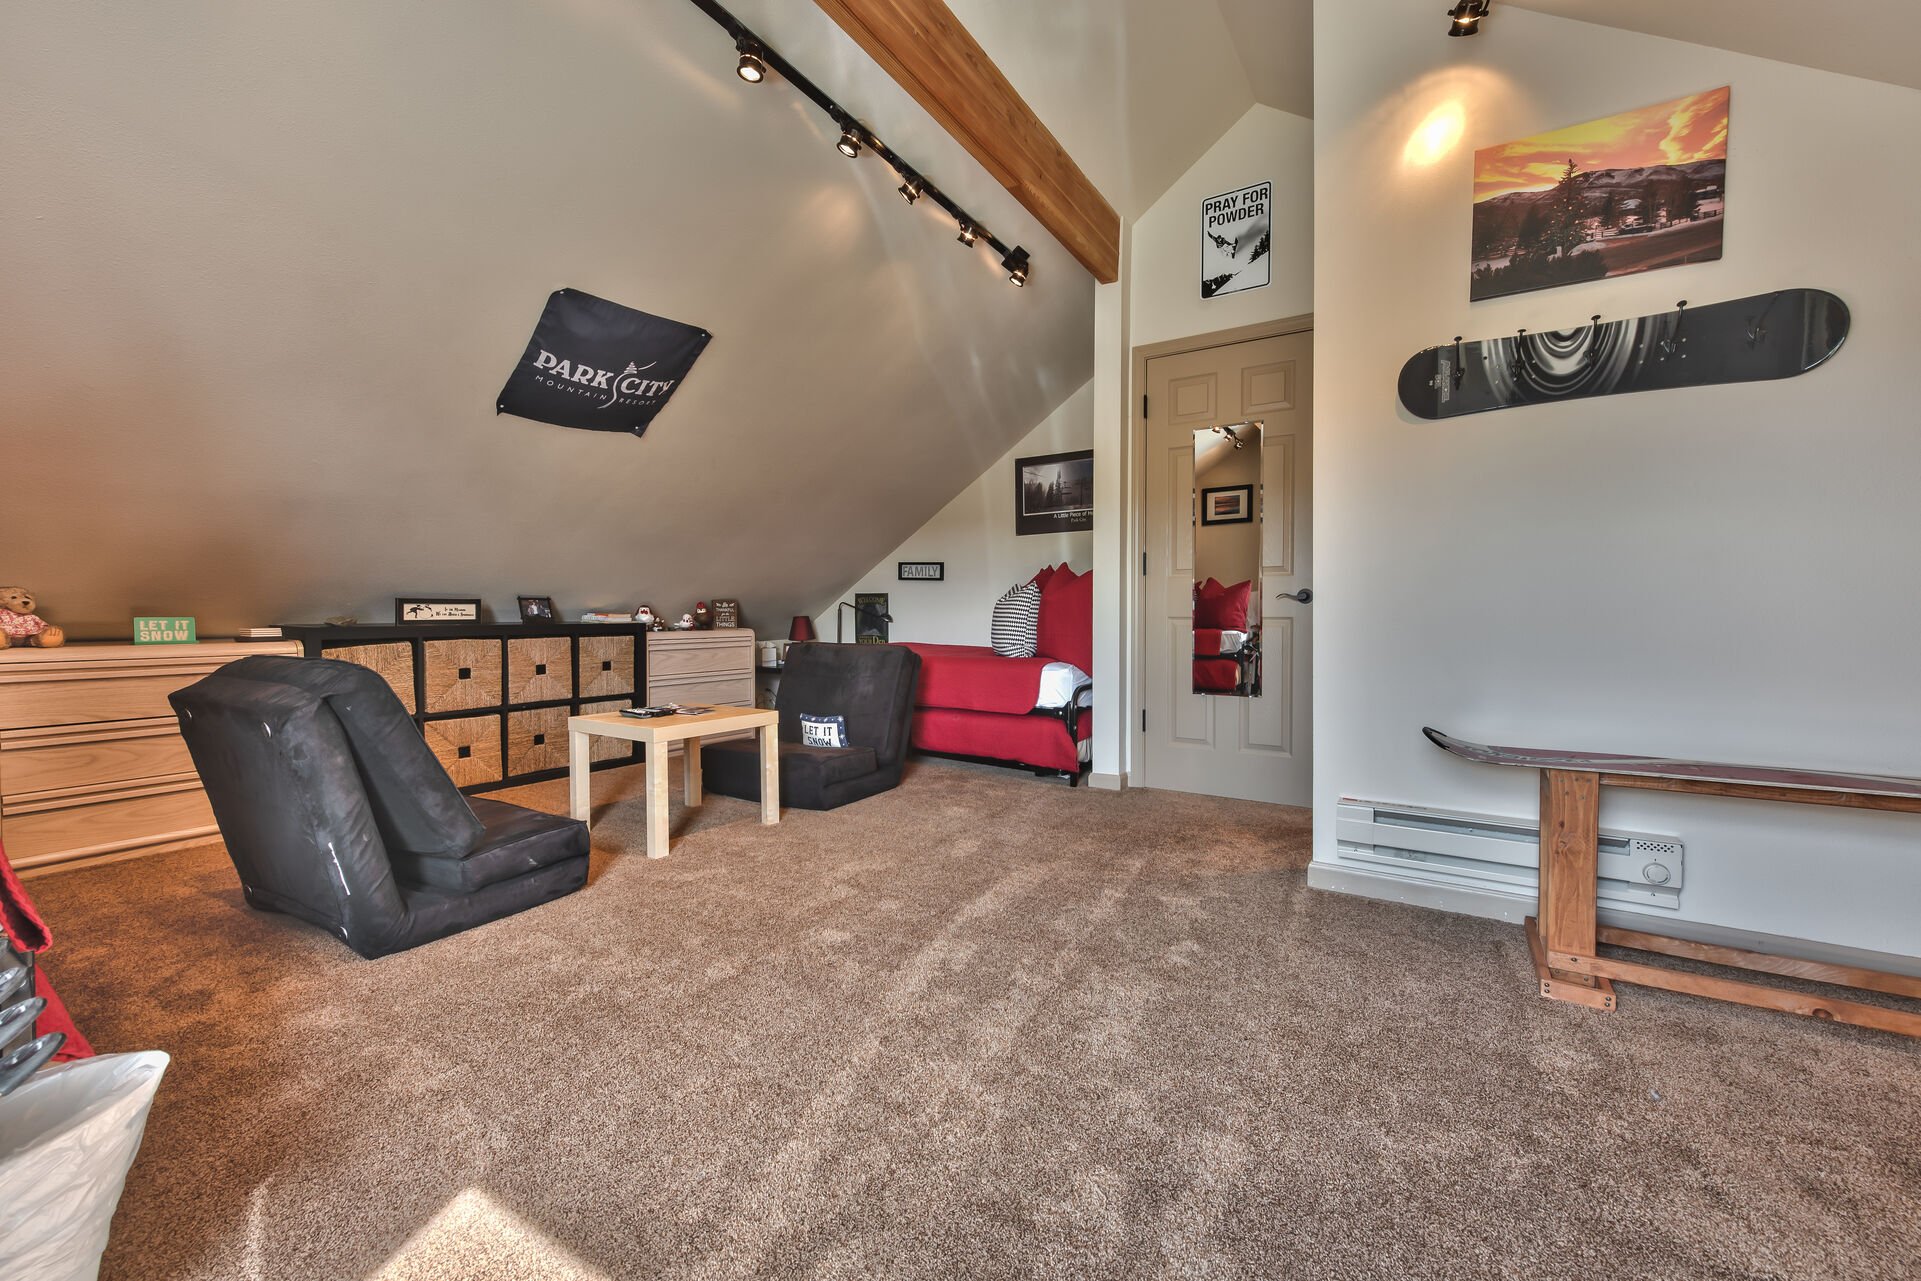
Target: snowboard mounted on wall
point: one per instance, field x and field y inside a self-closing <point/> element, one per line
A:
<point x="1777" y="335"/>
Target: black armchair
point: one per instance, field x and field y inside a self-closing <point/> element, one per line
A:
<point x="871" y="686"/>
<point x="334" y="810"/>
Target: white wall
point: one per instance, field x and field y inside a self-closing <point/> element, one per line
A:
<point x="1159" y="299"/>
<point x="1263" y="145"/>
<point x="975" y="536"/>
<point x="1717" y="572"/>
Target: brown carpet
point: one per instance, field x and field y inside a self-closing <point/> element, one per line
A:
<point x="983" y="1026"/>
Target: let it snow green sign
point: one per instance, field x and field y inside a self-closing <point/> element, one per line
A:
<point x="163" y="631"/>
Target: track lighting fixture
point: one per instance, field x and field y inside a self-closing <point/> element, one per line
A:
<point x="1015" y="265"/>
<point x="758" y="61"/>
<point x="751" y="68"/>
<point x="1467" y="15"/>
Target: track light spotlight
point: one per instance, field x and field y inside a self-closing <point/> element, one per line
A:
<point x="760" y="61"/>
<point x="1015" y="265"/>
<point x="751" y="68"/>
<point x="1467" y="15"/>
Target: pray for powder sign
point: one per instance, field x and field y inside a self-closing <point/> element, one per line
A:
<point x="598" y="365"/>
<point x="1235" y="231"/>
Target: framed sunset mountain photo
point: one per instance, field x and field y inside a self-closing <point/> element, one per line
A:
<point x="1633" y="192"/>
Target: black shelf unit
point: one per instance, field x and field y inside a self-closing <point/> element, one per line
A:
<point x="451" y="702"/>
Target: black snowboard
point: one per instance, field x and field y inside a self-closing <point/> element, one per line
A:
<point x="1777" y="335"/>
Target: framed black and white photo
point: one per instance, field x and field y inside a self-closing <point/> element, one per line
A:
<point x="1237" y="230"/>
<point x="921" y="571"/>
<point x="1227" y="505"/>
<point x="536" y="609"/>
<point x="870" y="618"/>
<point x="436" y="609"/>
<point x="1054" y="493"/>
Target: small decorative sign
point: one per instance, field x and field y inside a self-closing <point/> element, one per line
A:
<point x="163" y="631"/>
<point x="436" y="609"/>
<point x="726" y="612"/>
<point x="1236" y="229"/>
<point x="921" y="571"/>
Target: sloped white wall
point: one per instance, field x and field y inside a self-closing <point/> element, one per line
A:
<point x="267" y="266"/>
<point x="1722" y="573"/>
<point x="1133" y="89"/>
<point x="974" y="535"/>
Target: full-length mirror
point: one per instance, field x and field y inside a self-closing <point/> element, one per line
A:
<point x="1227" y="560"/>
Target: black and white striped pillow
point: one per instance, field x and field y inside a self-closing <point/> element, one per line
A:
<point x="1017" y="618"/>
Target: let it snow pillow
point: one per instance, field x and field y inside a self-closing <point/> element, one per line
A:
<point x="823" y="731"/>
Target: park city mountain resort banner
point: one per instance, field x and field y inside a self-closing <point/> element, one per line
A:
<point x="598" y="365"/>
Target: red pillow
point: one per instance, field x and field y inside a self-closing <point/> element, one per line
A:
<point x="1040" y="578"/>
<point x="1224" y="607"/>
<point x="1066" y="632"/>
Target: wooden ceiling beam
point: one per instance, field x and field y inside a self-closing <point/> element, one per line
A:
<point x="923" y="46"/>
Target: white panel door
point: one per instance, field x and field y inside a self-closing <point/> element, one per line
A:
<point x="1253" y="748"/>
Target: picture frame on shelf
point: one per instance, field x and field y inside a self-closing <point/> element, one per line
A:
<point x="870" y="618"/>
<point x="436" y="609"/>
<point x="537" y="609"/>
<point x="1227" y="505"/>
<point x="726" y="611"/>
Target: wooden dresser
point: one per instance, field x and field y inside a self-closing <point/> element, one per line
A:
<point x="714" y="668"/>
<point x="92" y="766"/>
<point x="492" y="699"/>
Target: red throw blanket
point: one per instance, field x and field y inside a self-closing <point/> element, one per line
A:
<point x="1207" y="642"/>
<point x="974" y="678"/>
<point x="1216" y="675"/>
<point x="26" y="932"/>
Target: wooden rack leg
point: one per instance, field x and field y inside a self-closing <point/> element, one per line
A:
<point x="1565" y="985"/>
<point x="1570" y="854"/>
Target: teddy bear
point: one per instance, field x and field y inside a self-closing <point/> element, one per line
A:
<point x="19" y="625"/>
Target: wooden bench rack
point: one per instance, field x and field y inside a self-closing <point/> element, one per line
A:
<point x="1564" y="936"/>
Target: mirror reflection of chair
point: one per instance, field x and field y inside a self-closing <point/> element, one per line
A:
<point x="1227" y="559"/>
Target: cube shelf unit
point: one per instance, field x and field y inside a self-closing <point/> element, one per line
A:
<point x="492" y="699"/>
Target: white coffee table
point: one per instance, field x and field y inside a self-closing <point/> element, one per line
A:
<point x="659" y="733"/>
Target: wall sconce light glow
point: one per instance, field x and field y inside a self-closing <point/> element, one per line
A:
<point x="1436" y="136"/>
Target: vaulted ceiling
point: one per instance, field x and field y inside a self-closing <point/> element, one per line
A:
<point x="1875" y="39"/>
<point x="267" y="267"/>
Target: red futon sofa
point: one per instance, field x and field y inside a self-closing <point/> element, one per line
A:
<point x="1033" y="712"/>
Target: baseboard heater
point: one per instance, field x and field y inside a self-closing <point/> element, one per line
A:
<point x="1500" y="855"/>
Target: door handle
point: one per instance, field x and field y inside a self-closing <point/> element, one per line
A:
<point x="1305" y="595"/>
